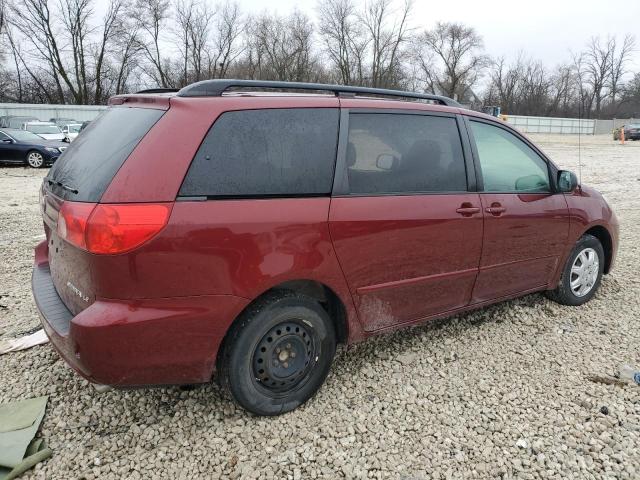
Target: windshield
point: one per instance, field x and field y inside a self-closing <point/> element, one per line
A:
<point x="42" y="128"/>
<point x="24" y="136"/>
<point x="75" y="128"/>
<point x="633" y="125"/>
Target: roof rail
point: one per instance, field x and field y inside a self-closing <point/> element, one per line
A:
<point x="215" y="88"/>
<point x="158" y="90"/>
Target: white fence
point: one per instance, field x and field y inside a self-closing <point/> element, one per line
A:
<point x="47" y="112"/>
<point x="551" y="125"/>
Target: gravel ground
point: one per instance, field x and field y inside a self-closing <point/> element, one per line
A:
<point x="503" y="392"/>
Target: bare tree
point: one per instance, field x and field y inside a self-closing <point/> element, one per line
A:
<point x="184" y="18"/>
<point x="365" y="46"/>
<point x="153" y="16"/>
<point x="386" y="40"/>
<point x="111" y="29"/>
<point x="67" y="53"/>
<point x="620" y="57"/>
<point x="452" y="56"/>
<point x="505" y="84"/>
<point x="2" y="22"/>
<point x="227" y="45"/>
<point x="343" y="39"/>
<point x="596" y="61"/>
<point x="281" y="48"/>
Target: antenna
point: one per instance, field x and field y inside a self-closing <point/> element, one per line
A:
<point x="580" y="144"/>
<point x="580" y="105"/>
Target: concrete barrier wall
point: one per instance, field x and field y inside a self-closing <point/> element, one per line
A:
<point x="528" y="124"/>
<point x="46" y="112"/>
<point x="584" y="126"/>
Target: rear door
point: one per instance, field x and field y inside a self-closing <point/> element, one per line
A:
<point x="406" y="229"/>
<point x="526" y="224"/>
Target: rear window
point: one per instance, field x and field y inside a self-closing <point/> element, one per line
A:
<point x="92" y="160"/>
<point x="274" y="152"/>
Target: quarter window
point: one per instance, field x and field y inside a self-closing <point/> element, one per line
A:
<point x="266" y="152"/>
<point x="508" y="164"/>
<point x="399" y="153"/>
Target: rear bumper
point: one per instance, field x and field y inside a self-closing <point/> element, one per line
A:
<point x="137" y="342"/>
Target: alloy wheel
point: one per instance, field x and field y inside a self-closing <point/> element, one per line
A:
<point x="35" y="159"/>
<point x="584" y="272"/>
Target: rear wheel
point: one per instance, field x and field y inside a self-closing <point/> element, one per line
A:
<point x="35" y="159"/>
<point x="582" y="273"/>
<point x="278" y="353"/>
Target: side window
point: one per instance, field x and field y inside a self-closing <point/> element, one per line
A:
<point x="507" y="163"/>
<point x="3" y="137"/>
<point x="396" y="153"/>
<point x="266" y="152"/>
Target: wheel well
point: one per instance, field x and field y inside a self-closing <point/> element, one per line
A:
<point x="603" y="235"/>
<point x="327" y="298"/>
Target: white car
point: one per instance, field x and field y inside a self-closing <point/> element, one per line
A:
<point x="46" y="130"/>
<point x="71" y="130"/>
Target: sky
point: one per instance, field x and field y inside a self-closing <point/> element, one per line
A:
<point x="544" y="29"/>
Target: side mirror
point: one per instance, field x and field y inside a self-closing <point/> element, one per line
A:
<point x="7" y="140"/>
<point x="567" y="181"/>
<point x="386" y="161"/>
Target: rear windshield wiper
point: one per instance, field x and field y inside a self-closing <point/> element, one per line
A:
<point x="65" y="187"/>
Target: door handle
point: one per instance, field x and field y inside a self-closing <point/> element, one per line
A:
<point x="496" y="209"/>
<point x="466" y="210"/>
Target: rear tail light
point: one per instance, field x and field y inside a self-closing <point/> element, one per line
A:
<point x="72" y="222"/>
<point x="111" y="228"/>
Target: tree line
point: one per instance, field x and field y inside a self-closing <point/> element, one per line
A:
<point x="62" y="51"/>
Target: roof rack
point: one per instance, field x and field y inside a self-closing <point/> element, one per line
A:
<point x="215" y="88"/>
<point x="159" y="90"/>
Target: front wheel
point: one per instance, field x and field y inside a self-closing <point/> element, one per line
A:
<point x="35" y="159"/>
<point x="277" y="354"/>
<point x="582" y="273"/>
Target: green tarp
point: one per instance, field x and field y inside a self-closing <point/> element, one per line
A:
<point x="19" y="422"/>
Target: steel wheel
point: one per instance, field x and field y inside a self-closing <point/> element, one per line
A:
<point x="284" y="357"/>
<point x="277" y="353"/>
<point x="584" y="272"/>
<point x="35" y="159"/>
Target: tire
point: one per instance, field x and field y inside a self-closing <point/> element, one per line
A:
<point x="34" y="159"/>
<point x="277" y="354"/>
<point x="588" y="252"/>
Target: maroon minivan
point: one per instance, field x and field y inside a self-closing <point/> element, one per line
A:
<point x="233" y="228"/>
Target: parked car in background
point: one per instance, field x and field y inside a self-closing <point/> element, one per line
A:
<point x="46" y="130"/>
<point x="21" y="146"/>
<point x="282" y="224"/>
<point x="71" y="130"/>
<point x="84" y="125"/>
<point x="16" y="121"/>
<point x="631" y="132"/>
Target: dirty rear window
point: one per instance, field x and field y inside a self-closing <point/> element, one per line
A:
<point x="94" y="157"/>
<point x="275" y="152"/>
